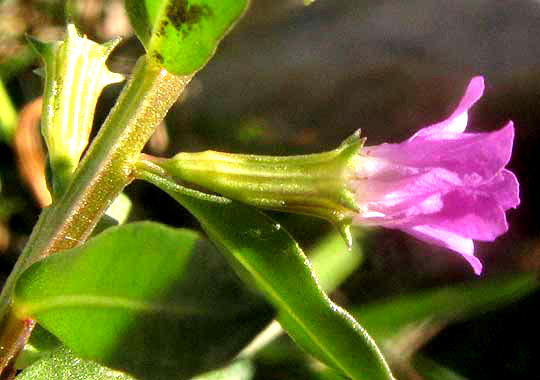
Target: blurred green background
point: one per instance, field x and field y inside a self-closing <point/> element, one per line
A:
<point x="292" y="79"/>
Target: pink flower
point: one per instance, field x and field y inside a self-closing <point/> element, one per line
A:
<point x="441" y="185"/>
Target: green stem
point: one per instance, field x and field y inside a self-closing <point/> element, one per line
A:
<point x="15" y="334"/>
<point x="105" y="170"/>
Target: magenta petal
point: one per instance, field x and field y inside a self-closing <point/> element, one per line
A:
<point x="399" y="201"/>
<point x="442" y="185"/>
<point x="468" y="214"/>
<point x="504" y="187"/>
<point x="474" y="156"/>
<point x="457" y="122"/>
<point x="448" y="240"/>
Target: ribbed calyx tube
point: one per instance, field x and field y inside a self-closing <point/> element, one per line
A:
<point x="75" y="74"/>
<point x="314" y="184"/>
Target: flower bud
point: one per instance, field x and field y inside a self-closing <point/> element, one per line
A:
<point x="75" y="75"/>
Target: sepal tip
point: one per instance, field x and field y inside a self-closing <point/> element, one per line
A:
<point x="44" y="49"/>
<point x="344" y="229"/>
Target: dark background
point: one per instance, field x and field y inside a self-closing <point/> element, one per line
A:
<point x="291" y="79"/>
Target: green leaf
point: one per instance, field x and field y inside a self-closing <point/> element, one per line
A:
<point x="387" y="319"/>
<point x="333" y="262"/>
<point x="63" y="364"/>
<point x="265" y="255"/>
<point x="40" y="344"/>
<point x="151" y="300"/>
<point x="182" y="35"/>
<point x="431" y="370"/>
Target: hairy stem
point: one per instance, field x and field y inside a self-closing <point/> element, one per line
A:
<point x="15" y="334"/>
<point x="105" y="170"/>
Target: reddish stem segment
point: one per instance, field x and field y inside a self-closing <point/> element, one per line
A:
<point x="16" y="333"/>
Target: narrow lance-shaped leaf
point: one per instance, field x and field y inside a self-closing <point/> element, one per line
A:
<point x="266" y="256"/>
<point x="431" y="370"/>
<point x="402" y="325"/>
<point x="40" y="344"/>
<point x="389" y="318"/>
<point x="63" y="364"/>
<point x="182" y="35"/>
<point x="332" y="262"/>
<point x="154" y="301"/>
